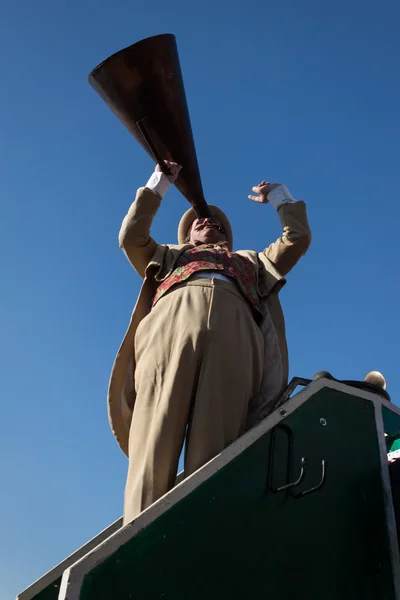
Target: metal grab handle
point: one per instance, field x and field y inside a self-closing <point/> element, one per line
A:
<point x="316" y="487"/>
<point x="294" y="383"/>
<point x="294" y="483"/>
<point x="291" y="484"/>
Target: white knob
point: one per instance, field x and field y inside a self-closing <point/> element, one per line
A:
<point x="376" y="378"/>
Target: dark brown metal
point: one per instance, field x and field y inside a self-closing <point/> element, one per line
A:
<point x="153" y="143"/>
<point x="144" y="88"/>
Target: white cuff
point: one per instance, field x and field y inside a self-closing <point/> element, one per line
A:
<point x="280" y="195"/>
<point x="158" y="183"/>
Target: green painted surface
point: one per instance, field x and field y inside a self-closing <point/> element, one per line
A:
<point x="391" y="424"/>
<point x="232" y="538"/>
<point x="395" y="445"/>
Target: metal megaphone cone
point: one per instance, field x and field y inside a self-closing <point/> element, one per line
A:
<point x="143" y="86"/>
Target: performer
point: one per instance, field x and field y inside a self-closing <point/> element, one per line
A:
<point x="205" y="353"/>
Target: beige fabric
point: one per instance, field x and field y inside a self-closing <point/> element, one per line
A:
<point x="154" y="262"/>
<point x="199" y="361"/>
<point x="188" y="218"/>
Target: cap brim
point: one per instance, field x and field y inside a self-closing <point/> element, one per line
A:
<point x="189" y="217"/>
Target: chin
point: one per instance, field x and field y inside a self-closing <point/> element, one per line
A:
<point x="209" y="238"/>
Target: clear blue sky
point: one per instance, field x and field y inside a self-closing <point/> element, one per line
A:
<point x="304" y="93"/>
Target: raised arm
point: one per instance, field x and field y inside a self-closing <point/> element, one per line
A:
<point x="134" y="236"/>
<point x="296" y="234"/>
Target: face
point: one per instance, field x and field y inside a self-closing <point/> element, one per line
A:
<point x="206" y="231"/>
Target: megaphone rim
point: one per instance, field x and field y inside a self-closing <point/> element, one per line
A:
<point x="116" y="54"/>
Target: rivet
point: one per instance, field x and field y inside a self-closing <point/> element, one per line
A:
<point x="282" y="412"/>
<point x="323" y="422"/>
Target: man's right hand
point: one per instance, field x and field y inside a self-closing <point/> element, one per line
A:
<point x="173" y="167"/>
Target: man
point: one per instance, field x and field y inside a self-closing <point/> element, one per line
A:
<point x="205" y="353"/>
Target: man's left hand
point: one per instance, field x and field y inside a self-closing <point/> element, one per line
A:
<point x="262" y="190"/>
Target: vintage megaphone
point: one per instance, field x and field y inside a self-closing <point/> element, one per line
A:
<point x="143" y="86"/>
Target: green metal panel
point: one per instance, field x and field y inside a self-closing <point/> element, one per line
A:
<point x="391" y="423"/>
<point x="234" y="538"/>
